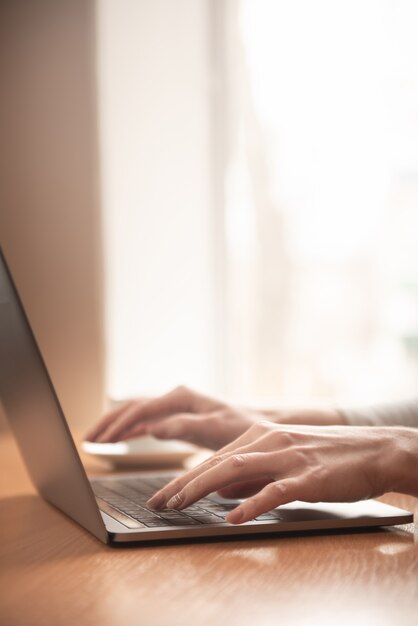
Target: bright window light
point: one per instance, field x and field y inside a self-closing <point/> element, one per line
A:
<point x="304" y="284"/>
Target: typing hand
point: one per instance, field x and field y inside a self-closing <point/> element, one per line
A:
<point x="180" y="414"/>
<point x="276" y="464"/>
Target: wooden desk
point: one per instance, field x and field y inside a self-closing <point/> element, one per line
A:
<point x="53" y="572"/>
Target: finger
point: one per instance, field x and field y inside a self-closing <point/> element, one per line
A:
<point x="184" y="426"/>
<point x="160" y="498"/>
<point x="247" y="438"/>
<point x="114" y="430"/>
<point x="284" y="459"/>
<point x="249" y="442"/>
<point x="274" y="494"/>
<point x="258" y="431"/>
<point x="179" y="400"/>
<point x="97" y="430"/>
<point x="243" y="489"/>
<point x="152" y="409"/>
<point x="236" y="467"/>
<point x="199" y="429"/>
<point x="258" y="438"/>
<point x="137" y="430"/>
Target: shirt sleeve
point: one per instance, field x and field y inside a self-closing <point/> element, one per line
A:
<point x="396" y="414"/>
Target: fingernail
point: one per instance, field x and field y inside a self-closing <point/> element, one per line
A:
<point x="156" y="502"/>
<point x="176" y="501"/>
<point x="235" y="516"/>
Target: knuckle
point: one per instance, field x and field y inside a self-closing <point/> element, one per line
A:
<point x="181" y="390"/>
<point x="282" y="438"/>
<point x="277" y="489"/>
<point x="196" y="486"/>
<point x="261" y="427"/>
<point x="176" y="485"/>
<point x="215" y="420"/>
<point x="317" y="473"/>
<point x="215" y="460"/>
<point x="299" y="457"/>
<point x="237" y="460"/>
<point x="182" y="422"/>
<point x="210" y="424"/>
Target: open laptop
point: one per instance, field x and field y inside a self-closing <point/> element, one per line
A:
<point x="113" y="508"/>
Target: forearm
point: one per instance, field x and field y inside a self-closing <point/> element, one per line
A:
<point x="326" y="416"/>
<point x="394" y="414"/>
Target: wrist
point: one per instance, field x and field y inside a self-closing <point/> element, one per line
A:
<point x="324" y="416"/>
<point x="404" y="460"/>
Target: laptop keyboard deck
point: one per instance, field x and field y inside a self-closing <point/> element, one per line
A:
<point x="125" y="500"/>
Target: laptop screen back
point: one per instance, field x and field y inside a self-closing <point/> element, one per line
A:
<point x="36" y="418"/>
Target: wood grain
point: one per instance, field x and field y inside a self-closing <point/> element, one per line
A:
<point x="53" y="572"/>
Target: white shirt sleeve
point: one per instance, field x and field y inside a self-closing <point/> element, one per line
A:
<point x="396" y="414"/>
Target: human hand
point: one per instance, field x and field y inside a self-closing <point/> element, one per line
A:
<point x="277" y="464"/>
<point x="180" y="414"/>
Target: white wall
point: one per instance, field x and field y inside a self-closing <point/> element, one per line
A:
<point x="49" y="205"/>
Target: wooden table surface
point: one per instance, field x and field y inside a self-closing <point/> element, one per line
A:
<point x="53" y="572"/>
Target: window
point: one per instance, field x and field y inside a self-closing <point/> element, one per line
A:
<point x="303" y="282"/>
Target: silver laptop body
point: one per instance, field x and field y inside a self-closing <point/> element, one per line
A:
<point x="113" y="507"/>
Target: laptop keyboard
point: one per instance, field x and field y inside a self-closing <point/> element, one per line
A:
<point x="125" y="500"/>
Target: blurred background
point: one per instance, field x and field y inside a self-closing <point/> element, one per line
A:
<point x="217" y="193"/>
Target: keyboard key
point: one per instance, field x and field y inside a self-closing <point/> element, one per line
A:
<point x="129" y="496"/>
<point x="218" y="513"/>
<point x="171" y="515"/>
<point x="193" y="509"/>
<point x="120" y="517"/>
<point x="271" y="515"/>
<point x="157" y="523"/>
<point x="209" y="518"/>
<point x="185" y="521"/>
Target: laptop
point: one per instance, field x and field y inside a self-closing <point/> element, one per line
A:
<point x="113" y="508"/>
